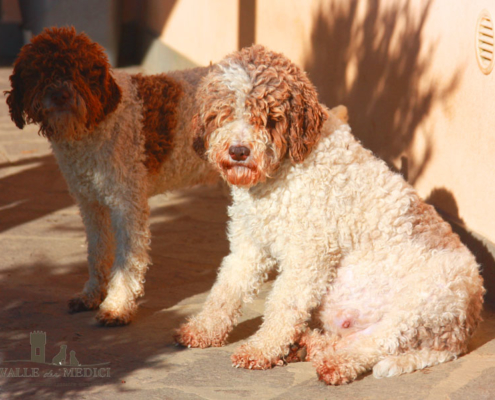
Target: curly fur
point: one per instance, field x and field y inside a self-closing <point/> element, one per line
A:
<point x="281" y="105"/>
<point x="118" y="139"/>
<point x="395" y="288"/>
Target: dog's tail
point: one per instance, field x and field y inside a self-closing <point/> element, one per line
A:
<point x="341" y="113"/>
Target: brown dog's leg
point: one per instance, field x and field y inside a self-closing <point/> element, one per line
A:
<point x="101" y="248"/>
<point x="130" y="221"/>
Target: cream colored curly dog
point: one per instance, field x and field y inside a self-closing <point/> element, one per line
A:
<point x="397" y="290"/>
<point x="118" y="139"/>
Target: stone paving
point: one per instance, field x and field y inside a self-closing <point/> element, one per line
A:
<point x="42" y="264"/>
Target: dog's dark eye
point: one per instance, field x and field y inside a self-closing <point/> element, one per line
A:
<point x="270" y="123"/>
<point x="209" y="119"/>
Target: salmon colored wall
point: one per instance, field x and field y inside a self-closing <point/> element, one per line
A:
<point x="406" y="70"/>
<point x="408" y="73"/>
<point x="199" y="30"/>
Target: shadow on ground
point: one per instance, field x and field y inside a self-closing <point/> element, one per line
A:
<point x="43" y="239"/>
<point x="188" y="244"/>
<point x="37" y="190"/>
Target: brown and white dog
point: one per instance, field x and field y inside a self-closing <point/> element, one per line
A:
<point x="395" y="288"/>
<point x="118" y="139"/>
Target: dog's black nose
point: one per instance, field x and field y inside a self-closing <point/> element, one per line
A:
<point x="60" y="97"/>
<point x="239" y="153"/>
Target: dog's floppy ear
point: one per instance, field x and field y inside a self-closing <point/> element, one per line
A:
<point x="15" y="96"/>
<point x="107" y="96"/>
<point x="199" y="132"/>
<point x="112" y="93"/>
<point x="306" y="117"/>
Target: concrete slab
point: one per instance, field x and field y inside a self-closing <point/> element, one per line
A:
<point x="42" y="264"/>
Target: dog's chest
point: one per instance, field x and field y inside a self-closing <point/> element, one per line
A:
<point x="88" y="170"/>
<point x="279" y="219"/>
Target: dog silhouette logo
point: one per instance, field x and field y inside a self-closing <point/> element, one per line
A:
<point x="60" y="358"/>
<point x="73" y="362"/>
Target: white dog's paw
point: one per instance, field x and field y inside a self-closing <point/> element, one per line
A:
<point x="192" y="335"/>
<point x="411" y="361"/>
<point x="388" y="367"/>
<point x="250" y="357"/>
<point x="337" y="370"/>
<point x="115" y="315"/>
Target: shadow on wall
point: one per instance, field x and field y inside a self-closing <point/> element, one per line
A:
<point x="371" y="62"/>
<point x="484" y="252"/>
<point x="247" y="23"/>
<point x="136" y="36"/>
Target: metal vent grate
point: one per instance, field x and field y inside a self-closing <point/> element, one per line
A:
<point x="485" y="42"/>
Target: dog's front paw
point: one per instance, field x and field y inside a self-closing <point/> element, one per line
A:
<point x="116" y="316"/>
<point x="334" y="370"/>
<point x="83" y="302"/>
<point x="250" y="357"/>
<point x="190" y="335"/>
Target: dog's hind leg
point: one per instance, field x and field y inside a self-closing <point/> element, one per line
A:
<point x="390" y="347"/>
<point x="410" y="361"/>
<point x="344" y="360"/>
<point x="430" y="344"/>
<point x="101" y="248"/>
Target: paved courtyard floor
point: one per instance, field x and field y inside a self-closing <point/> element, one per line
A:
<point x="43" y="263"/>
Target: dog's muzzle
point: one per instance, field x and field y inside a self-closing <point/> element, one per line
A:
<point x="60" y="97"/>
